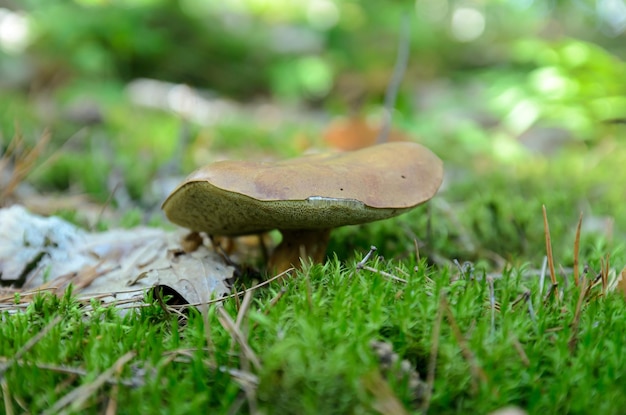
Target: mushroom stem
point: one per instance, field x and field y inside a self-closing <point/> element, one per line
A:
<point x="299" y="244"/>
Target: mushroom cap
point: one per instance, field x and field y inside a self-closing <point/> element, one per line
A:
<point x="311" y="192"/>
<point x="353" y="133"/>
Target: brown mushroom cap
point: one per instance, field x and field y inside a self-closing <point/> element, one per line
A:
<point x="311" y="192"/>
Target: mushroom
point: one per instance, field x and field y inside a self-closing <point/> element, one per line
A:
<point x="349" y="134"/>
<point x="304" y="198"/>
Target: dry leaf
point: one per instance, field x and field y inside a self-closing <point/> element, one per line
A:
<point x="49" y="253"/>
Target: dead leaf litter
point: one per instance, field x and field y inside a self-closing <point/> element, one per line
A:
<point x="117" y="266"/>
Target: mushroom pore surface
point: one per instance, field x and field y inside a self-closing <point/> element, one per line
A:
<point x="311" y="192"/>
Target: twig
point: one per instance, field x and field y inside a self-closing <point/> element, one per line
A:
<point x="577" y="249"/>
<point x="432" y="362"/>
<point x="77" y="397"/>
<point x="402" y="60"/>
<point x="546" y="228"/>
<point x="384" y="274"/>
<point x="366" y="258"/>
<point x="29" y="345"/>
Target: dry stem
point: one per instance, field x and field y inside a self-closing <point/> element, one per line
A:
<point x="577" y="249"/>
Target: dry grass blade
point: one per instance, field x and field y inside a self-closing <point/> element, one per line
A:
<point x="577" y="249"/>
<point x="6" y="395"/>
<point x="249" y="384"/>
<point x="241" y="326"/>
<point x="246" y="380"/>
<point x="229" y="325"/>
<point x="245" y="305"/>
<point x="546" y="228"/>
<point x="24" y="161"/>
<point x="77" y="397"/>
<point x="111" y="408"/>
<point x="385" y="401"/>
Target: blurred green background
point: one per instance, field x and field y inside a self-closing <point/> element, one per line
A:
<point x="136" y="90"/>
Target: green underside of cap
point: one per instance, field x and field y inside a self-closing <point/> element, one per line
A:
<point x="203" y="207"/>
